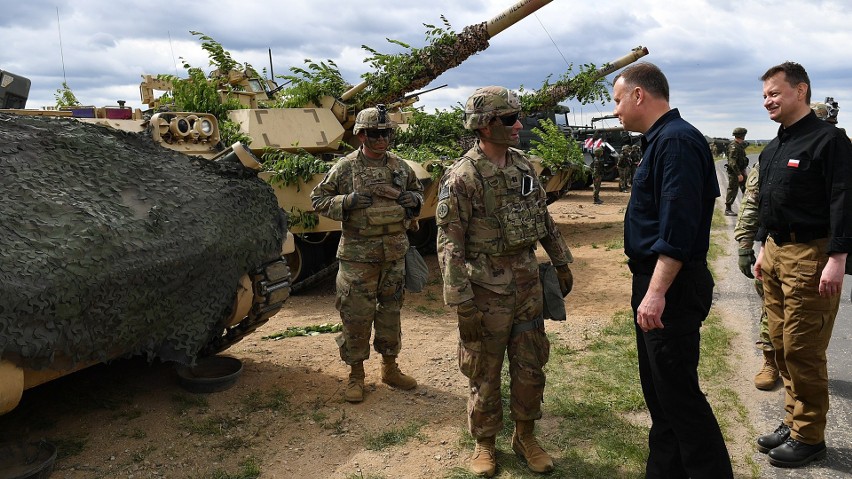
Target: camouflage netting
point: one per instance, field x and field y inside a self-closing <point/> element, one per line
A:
<point x="113" y="245"/>
<point x="438" y="58"/>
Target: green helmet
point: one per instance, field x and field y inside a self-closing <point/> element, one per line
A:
<point x="739" y="132"/>
<point x="625" y="148"/>
<point x="487" y="103"/>
<point x="373" y="118"/>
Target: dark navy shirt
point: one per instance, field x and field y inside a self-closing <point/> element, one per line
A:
<point x="674" y="190"/>
<point x="806" y="183"/>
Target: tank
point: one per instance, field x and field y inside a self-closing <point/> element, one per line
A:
<point x="321" y="129"/>
<point x="114" y="246"/>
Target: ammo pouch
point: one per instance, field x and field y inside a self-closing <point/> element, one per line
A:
<point x="416" y="271"/>
<point x="382" y="220"/>
<point x="553" y="306"/>
<point x="470" y="358"/>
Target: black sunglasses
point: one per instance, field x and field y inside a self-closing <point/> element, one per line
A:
<point x="509" y="120"/>
<point x="386" y="133"/>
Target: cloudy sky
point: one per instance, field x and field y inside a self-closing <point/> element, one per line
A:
<point x="712" y="52"/>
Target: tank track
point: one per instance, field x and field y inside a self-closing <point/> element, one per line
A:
<point x="271" y="287"/>
<point x="316" y="278"/>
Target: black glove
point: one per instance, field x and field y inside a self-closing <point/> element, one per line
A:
<point x="746" y="261"/>
<point x="407" y="199"/>
<point x="566" y="279"/>
<point x="355" y="201"/>
<point x="470" y="321"/>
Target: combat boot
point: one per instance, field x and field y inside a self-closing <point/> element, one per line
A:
<point x="392" y="376"/>
<point x="728" y="211"/>
<point x="598" y="201"/>
<point x="483" y="462"/>
<point x="526" y="446"/>
<point x="355" y="387"/>
<point x="768" y="375"/>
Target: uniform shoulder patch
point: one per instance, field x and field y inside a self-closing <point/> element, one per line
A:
<point x="442" y="210"/>
<point x="444" y="193"/>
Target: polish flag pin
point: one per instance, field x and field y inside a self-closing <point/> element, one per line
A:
<point x="791" y="163"/>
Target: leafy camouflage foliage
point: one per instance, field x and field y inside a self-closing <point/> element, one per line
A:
<point x="584" y="87"/>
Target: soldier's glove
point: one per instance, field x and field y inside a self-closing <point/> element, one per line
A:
<point x="746" y="261"/>
<point x="566" y="279"/>
<point x="407" y="199"/>
<point x="470" y="321"/>
<point x="355" y="201"/>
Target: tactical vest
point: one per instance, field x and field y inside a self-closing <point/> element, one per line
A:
<point x="385" y="215"/>
<point x="515" y="213"/>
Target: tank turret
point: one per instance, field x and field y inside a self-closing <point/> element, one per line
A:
<point x="322" y="128"/>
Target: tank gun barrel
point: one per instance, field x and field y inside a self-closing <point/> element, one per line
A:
<point x="562" y="89"/>
<point x="622" y="62"/>
<point x="472" y="39"/>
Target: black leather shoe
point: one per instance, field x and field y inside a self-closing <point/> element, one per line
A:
<point x="768" y="442"/>
<point x="794" y="453"/>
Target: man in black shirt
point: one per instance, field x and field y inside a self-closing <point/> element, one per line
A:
<point x="666" y="238"/>
<point x="805" y="222"/>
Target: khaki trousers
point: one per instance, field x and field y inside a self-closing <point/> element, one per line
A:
<point x="800" y="325"/>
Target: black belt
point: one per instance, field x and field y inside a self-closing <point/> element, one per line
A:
<point x="797" y="236"/>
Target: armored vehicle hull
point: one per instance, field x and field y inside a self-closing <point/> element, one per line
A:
<point x="114" y="246"/>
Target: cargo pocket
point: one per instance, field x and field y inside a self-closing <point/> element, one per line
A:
<point x="807" y="286"/>
<point x="470" y="358"/>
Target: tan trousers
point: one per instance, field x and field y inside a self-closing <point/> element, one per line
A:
<point x="800" y="325"/>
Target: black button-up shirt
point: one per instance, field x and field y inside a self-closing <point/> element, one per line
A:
<point x="805" y="180"/>
<point x="674" y="189"/>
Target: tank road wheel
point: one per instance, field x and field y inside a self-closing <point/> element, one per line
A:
<point x="313" y="259"/>
<point x="425" y="239"/>
<point x="304" y="260"/>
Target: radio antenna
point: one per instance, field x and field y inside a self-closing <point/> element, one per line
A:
<point x="173" y="51"/>
<point x="61" y="55"/>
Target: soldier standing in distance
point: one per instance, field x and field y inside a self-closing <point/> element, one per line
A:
<point x="737" y="164"/>
<point x="597" y="174"/>
<point x="375" y="195"/>
<point x="491" y="213"/>
<point x="805" y="224"/>
<point x="623" y="165"/>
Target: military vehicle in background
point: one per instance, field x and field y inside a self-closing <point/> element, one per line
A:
<point x="14" y="90"/>
<point x="324" y="129"/>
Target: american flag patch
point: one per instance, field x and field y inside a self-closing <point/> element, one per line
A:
<point x="791" y="163"/>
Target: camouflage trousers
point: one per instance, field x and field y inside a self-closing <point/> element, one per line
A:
<point x="624" y="178"/>
<point x="763" y="343"/>
<point x="733" y="186"/>
<point x="482" y="361"/>
<point x="596" y="184"/>
<point x="369" y="294"/>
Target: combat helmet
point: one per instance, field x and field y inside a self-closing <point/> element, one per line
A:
<point x="598" y="151"/>
<point x="487" y="103"/>
<point x="824" y="111"/>
<point x="375" y="118"/>
<point x="625" y="148"/>
<point x="739" y="132"/>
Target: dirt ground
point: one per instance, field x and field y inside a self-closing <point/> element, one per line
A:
<point x="286" y="412"/>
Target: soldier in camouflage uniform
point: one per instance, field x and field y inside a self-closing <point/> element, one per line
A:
<point x="597" y="175"/>
<point x="623" y="165"/>
<point x="744" y="234"/>
<point x="375" y="195"/>
<point x="491" y="213"/>
<point x="635" y="159"/>
<point x="737" y="164"/>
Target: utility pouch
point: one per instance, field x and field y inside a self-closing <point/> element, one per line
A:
<point x="553" y="304"/>
<point x="416" y="271"/>
<point x="470" y="358"/>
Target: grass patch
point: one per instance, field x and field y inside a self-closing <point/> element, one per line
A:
<point x="377" y="442"/>
<point x="249" y="469"/>
<point x="69" y="446"/>
<point x="276" y="399"/>
<point x="215" y="425"/>
<point x="615" y="244"/>
<point x="183" y="403"/>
